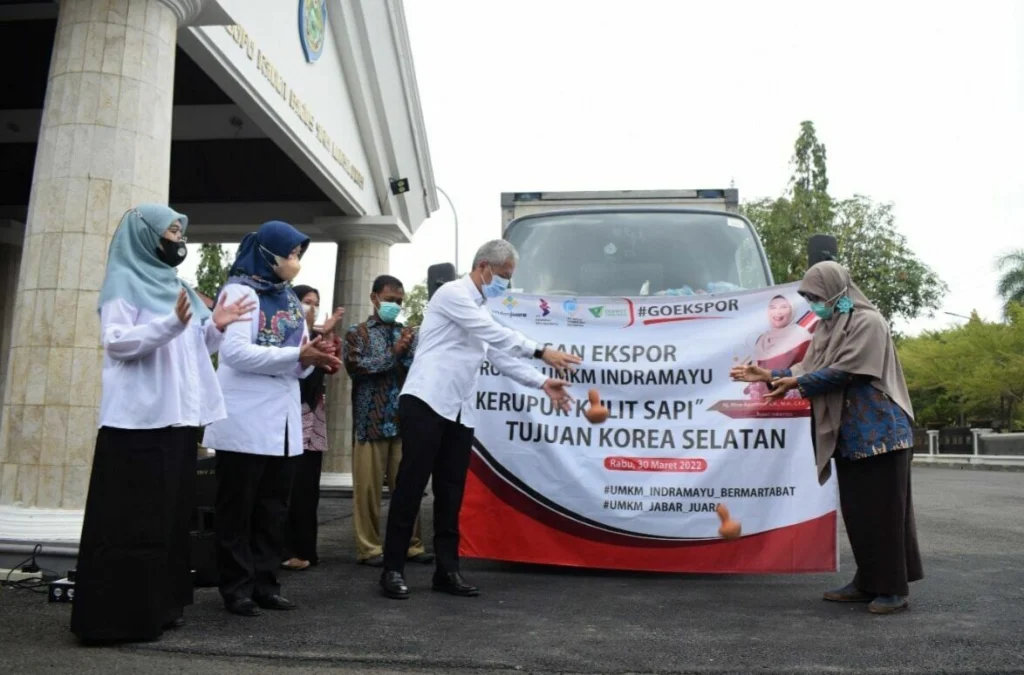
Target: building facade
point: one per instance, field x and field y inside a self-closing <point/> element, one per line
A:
<point x="233" y="112"/>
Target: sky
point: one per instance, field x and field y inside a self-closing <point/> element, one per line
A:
<point x="918" y="104"/>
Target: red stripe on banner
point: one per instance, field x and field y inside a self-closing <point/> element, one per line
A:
<point x="499" y="522"/>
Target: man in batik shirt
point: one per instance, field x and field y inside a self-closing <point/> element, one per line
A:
<point x="378" y="353"/>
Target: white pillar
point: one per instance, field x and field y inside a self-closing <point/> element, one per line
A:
<point x="104" y="146"/>
<point x="933" y="442"/>
<point x="361" y="259"/>
<point x="976" y="440"/>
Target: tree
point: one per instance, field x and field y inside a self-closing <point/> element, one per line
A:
<point x="974" y="371"/>
<point x="870" y="245"/>
<point x="212" y="271"/>
<point x="414" y="304"/>
<point x="211" y="274"/>
<point x="1011" y="279"/>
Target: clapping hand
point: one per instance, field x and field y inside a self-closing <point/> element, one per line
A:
<point x="404" y="342"/>
<point x="316" y="353"/>
<point x="183" y="307"/>
<point x="224" y="314"/>
<point x="333" y="320"/>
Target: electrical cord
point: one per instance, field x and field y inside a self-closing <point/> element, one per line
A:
<point x="38" y="585"/>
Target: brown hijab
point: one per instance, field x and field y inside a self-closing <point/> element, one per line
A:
<point x="858" y="343"/>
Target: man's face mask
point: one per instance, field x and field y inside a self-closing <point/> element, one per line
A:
<point x="495" y="287"/>
<point x="171" y="253"/>
<point x="388" y="311"/>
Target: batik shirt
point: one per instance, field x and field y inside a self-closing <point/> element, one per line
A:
<point x="871" y="424"/>
<point x="377" y="377"/>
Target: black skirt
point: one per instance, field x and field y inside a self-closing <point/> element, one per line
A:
<point x="878" y="510"/>
<point x="133" y="573"/>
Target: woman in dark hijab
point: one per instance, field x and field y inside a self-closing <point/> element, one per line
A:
<point x="261" y="364"/>
<point x="305" y="495"/>
<point x="863" y="418"/>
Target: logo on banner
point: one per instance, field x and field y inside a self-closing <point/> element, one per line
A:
<point x="312" y="27"/>
<point x="508" y="305"/>
<point x="545" y="308"/>
<point x="570" y="306"/>
<point x="598" y="311"/>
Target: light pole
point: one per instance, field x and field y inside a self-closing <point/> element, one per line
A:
<point x="455" y="216"/>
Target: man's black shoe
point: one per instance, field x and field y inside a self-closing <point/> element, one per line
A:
<point x="242" y="607"/>
<point x="393" y="585"/>
<point x="454" y="584"/>
<point x="174" y="623"/>
<point x="274" y="602"/>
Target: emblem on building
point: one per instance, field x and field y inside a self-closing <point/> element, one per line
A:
<point x="312" y="27"/>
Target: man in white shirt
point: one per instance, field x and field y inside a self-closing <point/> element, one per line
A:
<point x="436" y="409"/>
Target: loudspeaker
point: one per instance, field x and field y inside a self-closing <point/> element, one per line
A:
<point x="438" y="275"/>
<point x="821" y="247"/>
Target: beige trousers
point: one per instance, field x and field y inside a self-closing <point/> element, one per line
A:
<point x="371" y="461"/>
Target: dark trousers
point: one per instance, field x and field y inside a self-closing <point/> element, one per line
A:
<point x="251" y="515"/>
<point x="431" y="446"/>
<point x="878" y="510"/>
<point x="303" y="505"/>
<point x="133" y="573"/>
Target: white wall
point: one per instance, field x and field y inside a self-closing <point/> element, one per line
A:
<point x="271" y="32"/>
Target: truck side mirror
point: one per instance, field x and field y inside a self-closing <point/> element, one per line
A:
<point x="438" y="275"/>
<point x="821" y="247"/>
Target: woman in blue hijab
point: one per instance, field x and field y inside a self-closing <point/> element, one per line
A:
<point x="159" y="389"/>
<point x="261" y="364"/>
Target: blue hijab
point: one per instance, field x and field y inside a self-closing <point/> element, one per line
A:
<point x="281" y="318"/>
<point x="134" y="272"/>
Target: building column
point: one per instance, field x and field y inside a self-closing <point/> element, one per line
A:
<point x="360" y="261"/>
<point x="104" y="146"/>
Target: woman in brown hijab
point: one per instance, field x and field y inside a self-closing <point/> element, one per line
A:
<point x="862" y="417"/>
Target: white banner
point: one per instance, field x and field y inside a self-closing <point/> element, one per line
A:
<point x="682" y="437"/>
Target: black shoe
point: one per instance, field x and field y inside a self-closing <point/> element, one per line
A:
<point x="422" y="558"/>
<point x="848" y="593"/>
<point x="889" y="604"/>
<point x="242" y="607"/>
<point x="393" y="585"/>
<point x="274" y="602"/>
<point x="375" y="561"/>
<point x="175" y="623"/>
<point x="454" y="584"/>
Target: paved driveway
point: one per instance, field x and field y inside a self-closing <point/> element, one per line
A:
<point x="966" y="616"/>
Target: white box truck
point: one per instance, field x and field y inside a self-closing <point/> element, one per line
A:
<point x="631" y="243"/>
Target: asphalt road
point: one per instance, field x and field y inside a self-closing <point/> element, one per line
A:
<point x="966" y="616"/>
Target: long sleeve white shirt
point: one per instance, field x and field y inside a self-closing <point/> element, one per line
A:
<point x="261" y="389"/>
<point x="457" y="335"/>
<point x="156" y="370"/>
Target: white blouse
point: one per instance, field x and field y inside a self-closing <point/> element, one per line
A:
<point x="156" y="370"/>
<point x="261" y="389"/>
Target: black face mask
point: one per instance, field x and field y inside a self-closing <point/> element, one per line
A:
<point x="171" y="253"/>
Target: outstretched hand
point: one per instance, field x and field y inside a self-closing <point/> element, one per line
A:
<point x="780" y="388"/>
<point x="556" y="391"/>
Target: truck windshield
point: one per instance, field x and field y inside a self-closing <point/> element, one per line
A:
<point x="638" y="253"/>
